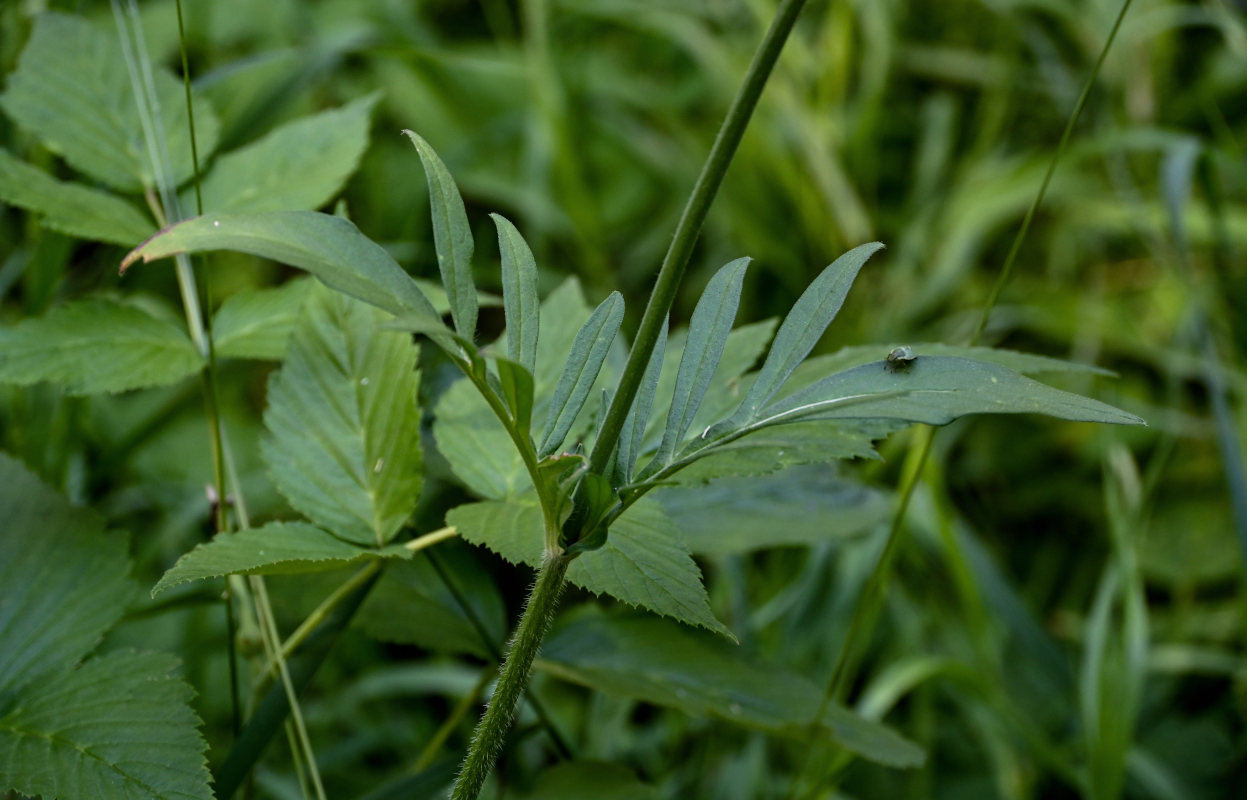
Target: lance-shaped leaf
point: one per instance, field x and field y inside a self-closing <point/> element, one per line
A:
<point x="936" y="390"/>
<point x="801" y="330"/>
<point x="707" y="335"/>
<point x="632" y="434"/>
<point x="588" y="352"/>
<point x="329" y="247"/>
<point x="98" y="345"/>
<point x="71" y="208"/>
<point x="345" y="448"/>
<point x="278" y="548"/>
<point x="516" y="384"/>
<point x="519" y="293"/>
<point x="452" y="237"/>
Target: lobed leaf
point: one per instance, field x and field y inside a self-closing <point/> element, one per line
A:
<point x="519" y="294"/>
<point x="452" y="237"/>
<point x="257" y="323"/>
<point x="97" y="345"/>
<point x="345" y="445"/>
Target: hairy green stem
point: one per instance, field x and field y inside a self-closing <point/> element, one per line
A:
<point x="493" y="726"/>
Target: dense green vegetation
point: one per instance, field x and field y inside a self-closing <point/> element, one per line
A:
<point x="267" y="535"/>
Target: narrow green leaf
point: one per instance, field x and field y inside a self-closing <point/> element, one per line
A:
<point x="601" y="780"/>
<point x="654" y="661"/>
<point x="588" y="352"/>
<point x="632" y="434"/>
<point x="71" y="208"/>
<point x="278" y="548"/>
<point x="329" y="247"/>
<point x="72" y="91"/>
<point x="643" y="563"/>
<point x="517" y="389"/>
<point x="936" y="390"/>
<point x="118" y="728"/>
<point x="519" y="293"/>
<point x="707" y="336"/>
<point x="345" y="448"/>
<point x="98" y="345"/>
<point x="63" y="581"/>
<point x="257" y="323"/>
<point x="801" y="330"/>
<point x="300" y="165"/>
<point x="452" y="237"/>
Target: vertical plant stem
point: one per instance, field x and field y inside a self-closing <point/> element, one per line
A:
<point x="493" y="726"/>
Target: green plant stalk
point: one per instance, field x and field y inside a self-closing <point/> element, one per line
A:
<point x="492" y="729"/>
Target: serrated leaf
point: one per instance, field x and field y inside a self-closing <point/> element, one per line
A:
<point x="71" y="208"/>
<point x="801" y="330"/>
<point x="63" y="581"/>
<point x="72" y="91"/>
<point x="278" y="548"/>
<point x="452" y="236"/>
<point x="329" y="247"/>
<point x="411" y="604"/>
<point x="936" y="390"/>
<point x="655" y="661"/>
<point x="519" y="293"/>
<point x="798" y="506"/>
<point x="257" y="323"/>
<point x="643" y="563"/>
<point x="300" y="165"/>
<point x="345" y="445"/>
<point x="632" y="434"/>
<point x="97" y="345"/>
<point x="118" y="728"/>
<point x="601" y="780"/>
<point x="588" y="352"/>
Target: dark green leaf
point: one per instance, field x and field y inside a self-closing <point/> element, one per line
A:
<point x="632" y="434"/>
<point x="257" y="323"/>
<point x="453" y="238"/>
<point x="98" y="345"/>
<point x="601" y="780"/>
<point x="588" y="352"/>
<point x="519" y="293"/>
<point x="345" y="448"/>
<point x="517" y="389"/>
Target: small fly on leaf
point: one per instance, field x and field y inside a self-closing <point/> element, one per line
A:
<point x="900" y="359"/>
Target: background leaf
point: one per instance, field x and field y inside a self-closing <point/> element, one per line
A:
<point x="72" y="91"/>
<point x="71" y="208"/>
<point x="345" y="445"/>
<point x="97" y="345"/>
<point x="257" y="323"/>
<point x="601" y="780"/>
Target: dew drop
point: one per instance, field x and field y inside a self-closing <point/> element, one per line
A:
<point x="363" y="381"/>
<point x="735" y="709"/>
<point x="379" y="465"/>
<point x="261" y="552"/>
<point x="216" y="223"/>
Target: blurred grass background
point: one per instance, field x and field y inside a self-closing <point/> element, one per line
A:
<point x="1068" y="615"/>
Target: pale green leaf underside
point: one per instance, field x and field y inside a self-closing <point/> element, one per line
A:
<point x="588" y="353"/>
<point x="600" y="780"/>
<point x="278" y="548"/>
<point x="71" y="208"/>
<point x="300" y="165"/>
<point x="654" y="661"/>
<point x="345" y="446"/>
<point x="519" y="293"/>
<point x="71" y="90"/>
<point x="329" y="247"/>
<point x="63" y="581"/>
<point x="120" y="727"/>
<point x="98" y="345"/>
<point x="257" y="323"/>
<point x="643" y="563"/>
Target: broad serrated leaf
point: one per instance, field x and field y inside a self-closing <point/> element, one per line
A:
<point x="452" y="237"/>
<point x="601" y="780"/>
<point x="649" y="659"/>
<point x="329" y="247"/>
<point x="97" y="345"/>
<point x="412" y="604"/>
<point x="63" y="581"/>
<point x="278" y="548"/>
<point x="72" y="91"/>
<point x="519" y="293"/>
<point x="798" y="506"/>
<point x="588" y="352"/>
<point x="257" y="323"/>
<point x="703" y="348"/>
<point x="120" y="727"/>
<point x="801" y="330"/>
<point x="632" y="434"/>
<point x="345" y="445"/>
<point x="936" y="390"/>
<point x="71" y="208"/>
<point x="300" y="165"/>
<point x="643" y="563"/>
